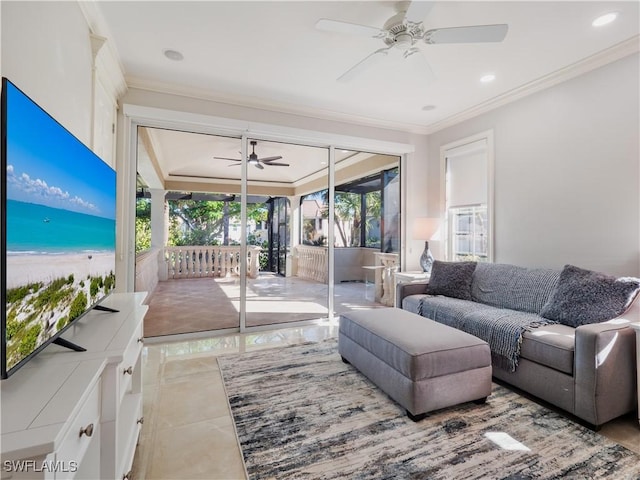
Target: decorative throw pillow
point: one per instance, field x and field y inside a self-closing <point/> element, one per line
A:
<point x="451" y="279"/>
<point x="583" y="297"/>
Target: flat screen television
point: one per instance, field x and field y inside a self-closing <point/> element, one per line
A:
<point x="58" y="229"/>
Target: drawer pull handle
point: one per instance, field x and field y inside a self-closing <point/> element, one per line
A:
<point x="128" y="371"/>
<point x="88" y="430"/>
<point x="141" y="340"/>
<point x="127" y="476"/>
<point x="140" y="420"/>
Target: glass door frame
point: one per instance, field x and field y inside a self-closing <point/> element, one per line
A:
<point x="135" y="116"/>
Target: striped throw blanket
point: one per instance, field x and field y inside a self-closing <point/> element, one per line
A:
<point x="501" y="328"/>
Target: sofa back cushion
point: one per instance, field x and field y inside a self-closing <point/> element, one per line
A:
<point x="584" y="296"/>
<point x="513" y="287"/>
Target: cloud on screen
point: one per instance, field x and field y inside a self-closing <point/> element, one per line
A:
<point x="38" y="191"/>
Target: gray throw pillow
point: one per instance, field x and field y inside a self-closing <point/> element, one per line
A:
<point x="451" y="279"/>
<point x="583" y="297"/>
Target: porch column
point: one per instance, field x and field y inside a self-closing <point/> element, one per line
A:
<point x="294" y="221"/>
<point x="159" y="227"/>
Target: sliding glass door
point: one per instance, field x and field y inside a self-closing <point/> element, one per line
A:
<point x="292" y="284"/>
<point x="242" y="231"/>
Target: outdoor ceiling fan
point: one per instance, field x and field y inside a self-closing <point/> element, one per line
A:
<point x="405" y="31"/>
<point x="253" y="159"/>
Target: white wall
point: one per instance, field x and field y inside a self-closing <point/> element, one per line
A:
<point x="567" y="158"/>
<point x="567" y="172"/>
<point x="46" y="53"/>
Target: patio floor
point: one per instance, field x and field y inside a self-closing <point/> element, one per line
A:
<point x="206" y="304"/>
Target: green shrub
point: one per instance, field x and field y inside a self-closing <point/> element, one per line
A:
<point x="61" y="323"/>
<point x="78" y="306"/>
<point x="17" y="294"/>
<point x="30" y="340"/>
<point x="70" y="279"/>
<point x="13" y="327"/>
<point x="95" y="287"/>
<point x="109" y="282"/>
<point x="52" y="295"/>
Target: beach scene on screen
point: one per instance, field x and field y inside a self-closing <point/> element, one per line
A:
<point x="60" y="227"/>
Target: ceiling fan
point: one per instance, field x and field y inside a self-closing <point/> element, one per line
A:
<point x="404" y="32"/>
<point x="255" y="161"/>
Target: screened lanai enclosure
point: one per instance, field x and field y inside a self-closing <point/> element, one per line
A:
<point x="193" y="247"/>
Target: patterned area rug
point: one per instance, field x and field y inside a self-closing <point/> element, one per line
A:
<point x="301" y="413"/>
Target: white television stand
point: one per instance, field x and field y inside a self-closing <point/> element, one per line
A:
<point x="77" y="415"/>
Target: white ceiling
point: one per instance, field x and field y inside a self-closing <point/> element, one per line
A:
<point x="269" y="54"/>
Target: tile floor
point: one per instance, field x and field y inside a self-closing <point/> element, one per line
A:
<point x="188" y="431"/>
<point x="206" y="304"/>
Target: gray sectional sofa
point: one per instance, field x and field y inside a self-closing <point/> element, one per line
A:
<point x="562" y="336"/>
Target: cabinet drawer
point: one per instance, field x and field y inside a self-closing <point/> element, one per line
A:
<point x="130" y="365"/>
<point x="84" y="429"/>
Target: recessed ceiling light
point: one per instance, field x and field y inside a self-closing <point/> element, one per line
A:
<point x="604" y="19"/>
<point x="426" y="108"/>
<point x="489" y="77"/>
<point x="173" y="55"/>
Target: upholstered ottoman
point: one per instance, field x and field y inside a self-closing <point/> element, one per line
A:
<point x="423" y="365"/>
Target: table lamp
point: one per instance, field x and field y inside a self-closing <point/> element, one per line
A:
<point x="423" y="229"/>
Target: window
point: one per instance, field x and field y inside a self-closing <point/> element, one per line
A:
<point x="468" y="180"/>
<point x="469" y="233"/>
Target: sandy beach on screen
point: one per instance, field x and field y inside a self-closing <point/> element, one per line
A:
<point x="25" y="269"/>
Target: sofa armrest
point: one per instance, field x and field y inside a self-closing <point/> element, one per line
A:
<point x="406" y="289"/>
<point x="605" y="370"/>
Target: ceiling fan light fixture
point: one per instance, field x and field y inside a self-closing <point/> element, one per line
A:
<point x="403" y="40"/>
<point x="604" y="19"/>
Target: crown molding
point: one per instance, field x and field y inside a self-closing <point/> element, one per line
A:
<point x="104" y="51"/>
<point x="600" y="59"/>
<point x="264" y="104"/>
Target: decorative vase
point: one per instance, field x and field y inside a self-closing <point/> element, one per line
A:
<point x="426" y="259"/>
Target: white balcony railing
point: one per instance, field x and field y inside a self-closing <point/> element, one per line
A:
<point x="209" y="261"/>
<point x="313" y="262"/>
<point x="147" y="265"/>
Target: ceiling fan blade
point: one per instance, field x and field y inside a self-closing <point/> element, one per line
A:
<point x="363" y="64"/>
<point x="225" y="158"/>
<point x="418" y="11"/>
<point x="270" y="159"/>
<point x="260" y="166"/>
<point x="473" y="34"/>
<point x="418" y="58"/>
<point x="345" y="27"/>
<point x="277" y="164"/>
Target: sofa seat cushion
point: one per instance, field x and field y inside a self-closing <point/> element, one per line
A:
<point x="411" y="303"/>
<point x="550" y="345"/>
<point x="450" y="311"/>
<point x="501" y="328"/>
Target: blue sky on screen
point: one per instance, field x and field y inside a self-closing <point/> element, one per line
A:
<point x="48" y="166"/>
